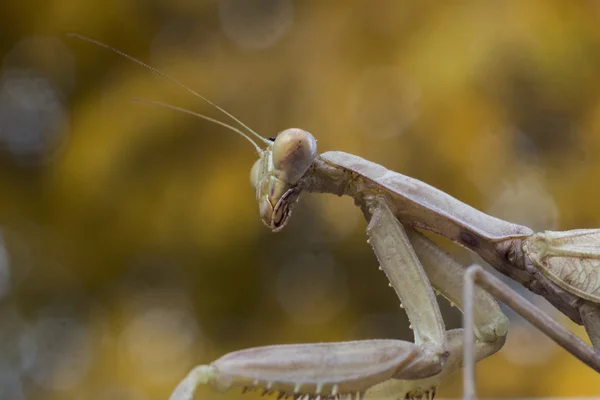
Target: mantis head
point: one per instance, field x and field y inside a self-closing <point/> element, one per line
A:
<point x="281" y="165"/>
<point x="276" y="173"/>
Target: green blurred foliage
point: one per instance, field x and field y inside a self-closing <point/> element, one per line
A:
<point x="133" y="244"/>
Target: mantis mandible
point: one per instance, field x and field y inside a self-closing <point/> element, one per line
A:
<point x="563" y="267"/>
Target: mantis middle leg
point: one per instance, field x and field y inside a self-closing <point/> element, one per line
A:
<point x="476" y="275"/>
<point x="590" y="315"/>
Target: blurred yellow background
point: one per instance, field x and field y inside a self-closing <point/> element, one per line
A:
<point x="131" y="247"/>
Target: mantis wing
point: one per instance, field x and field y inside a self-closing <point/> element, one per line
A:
<point x="571" y="259"/>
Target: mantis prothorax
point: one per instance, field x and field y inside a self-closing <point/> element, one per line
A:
<point x="563" y="267"/>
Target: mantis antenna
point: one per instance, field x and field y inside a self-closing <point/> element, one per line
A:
<point x="172" y="80"/>
<point x="205" y="117"/>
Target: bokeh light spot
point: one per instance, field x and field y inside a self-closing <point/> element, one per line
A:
<point x="32" y="116"/>
<point x="256" y="25"/>
<point x="64" y="349"/>
<point x="526" y="201"/>
<point x="384" y="102"/>
<point x="161" y="342"/>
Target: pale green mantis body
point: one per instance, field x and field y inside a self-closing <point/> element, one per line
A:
<point x="563" y="267"/>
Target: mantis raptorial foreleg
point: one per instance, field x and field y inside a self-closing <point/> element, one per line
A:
<point x="390" y="368"/>
<point x="476" y="275"/>
<point x="316" y="369"/>
<point x="394" y="389"/>
<point x="406" y="275"/>
<point x="332" y="369"/>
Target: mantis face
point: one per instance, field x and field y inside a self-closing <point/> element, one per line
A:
<point x="276" y="173"/>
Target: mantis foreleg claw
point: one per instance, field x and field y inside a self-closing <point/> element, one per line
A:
<point x="200" y="375"/>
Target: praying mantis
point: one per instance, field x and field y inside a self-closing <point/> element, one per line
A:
<point x="563" y="267"/>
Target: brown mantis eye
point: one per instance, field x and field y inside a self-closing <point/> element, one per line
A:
<point x="294" y="151"/>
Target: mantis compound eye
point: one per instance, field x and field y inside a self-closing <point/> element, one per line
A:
<point x="294" y="151"/>
<point x="255" y="173"/>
